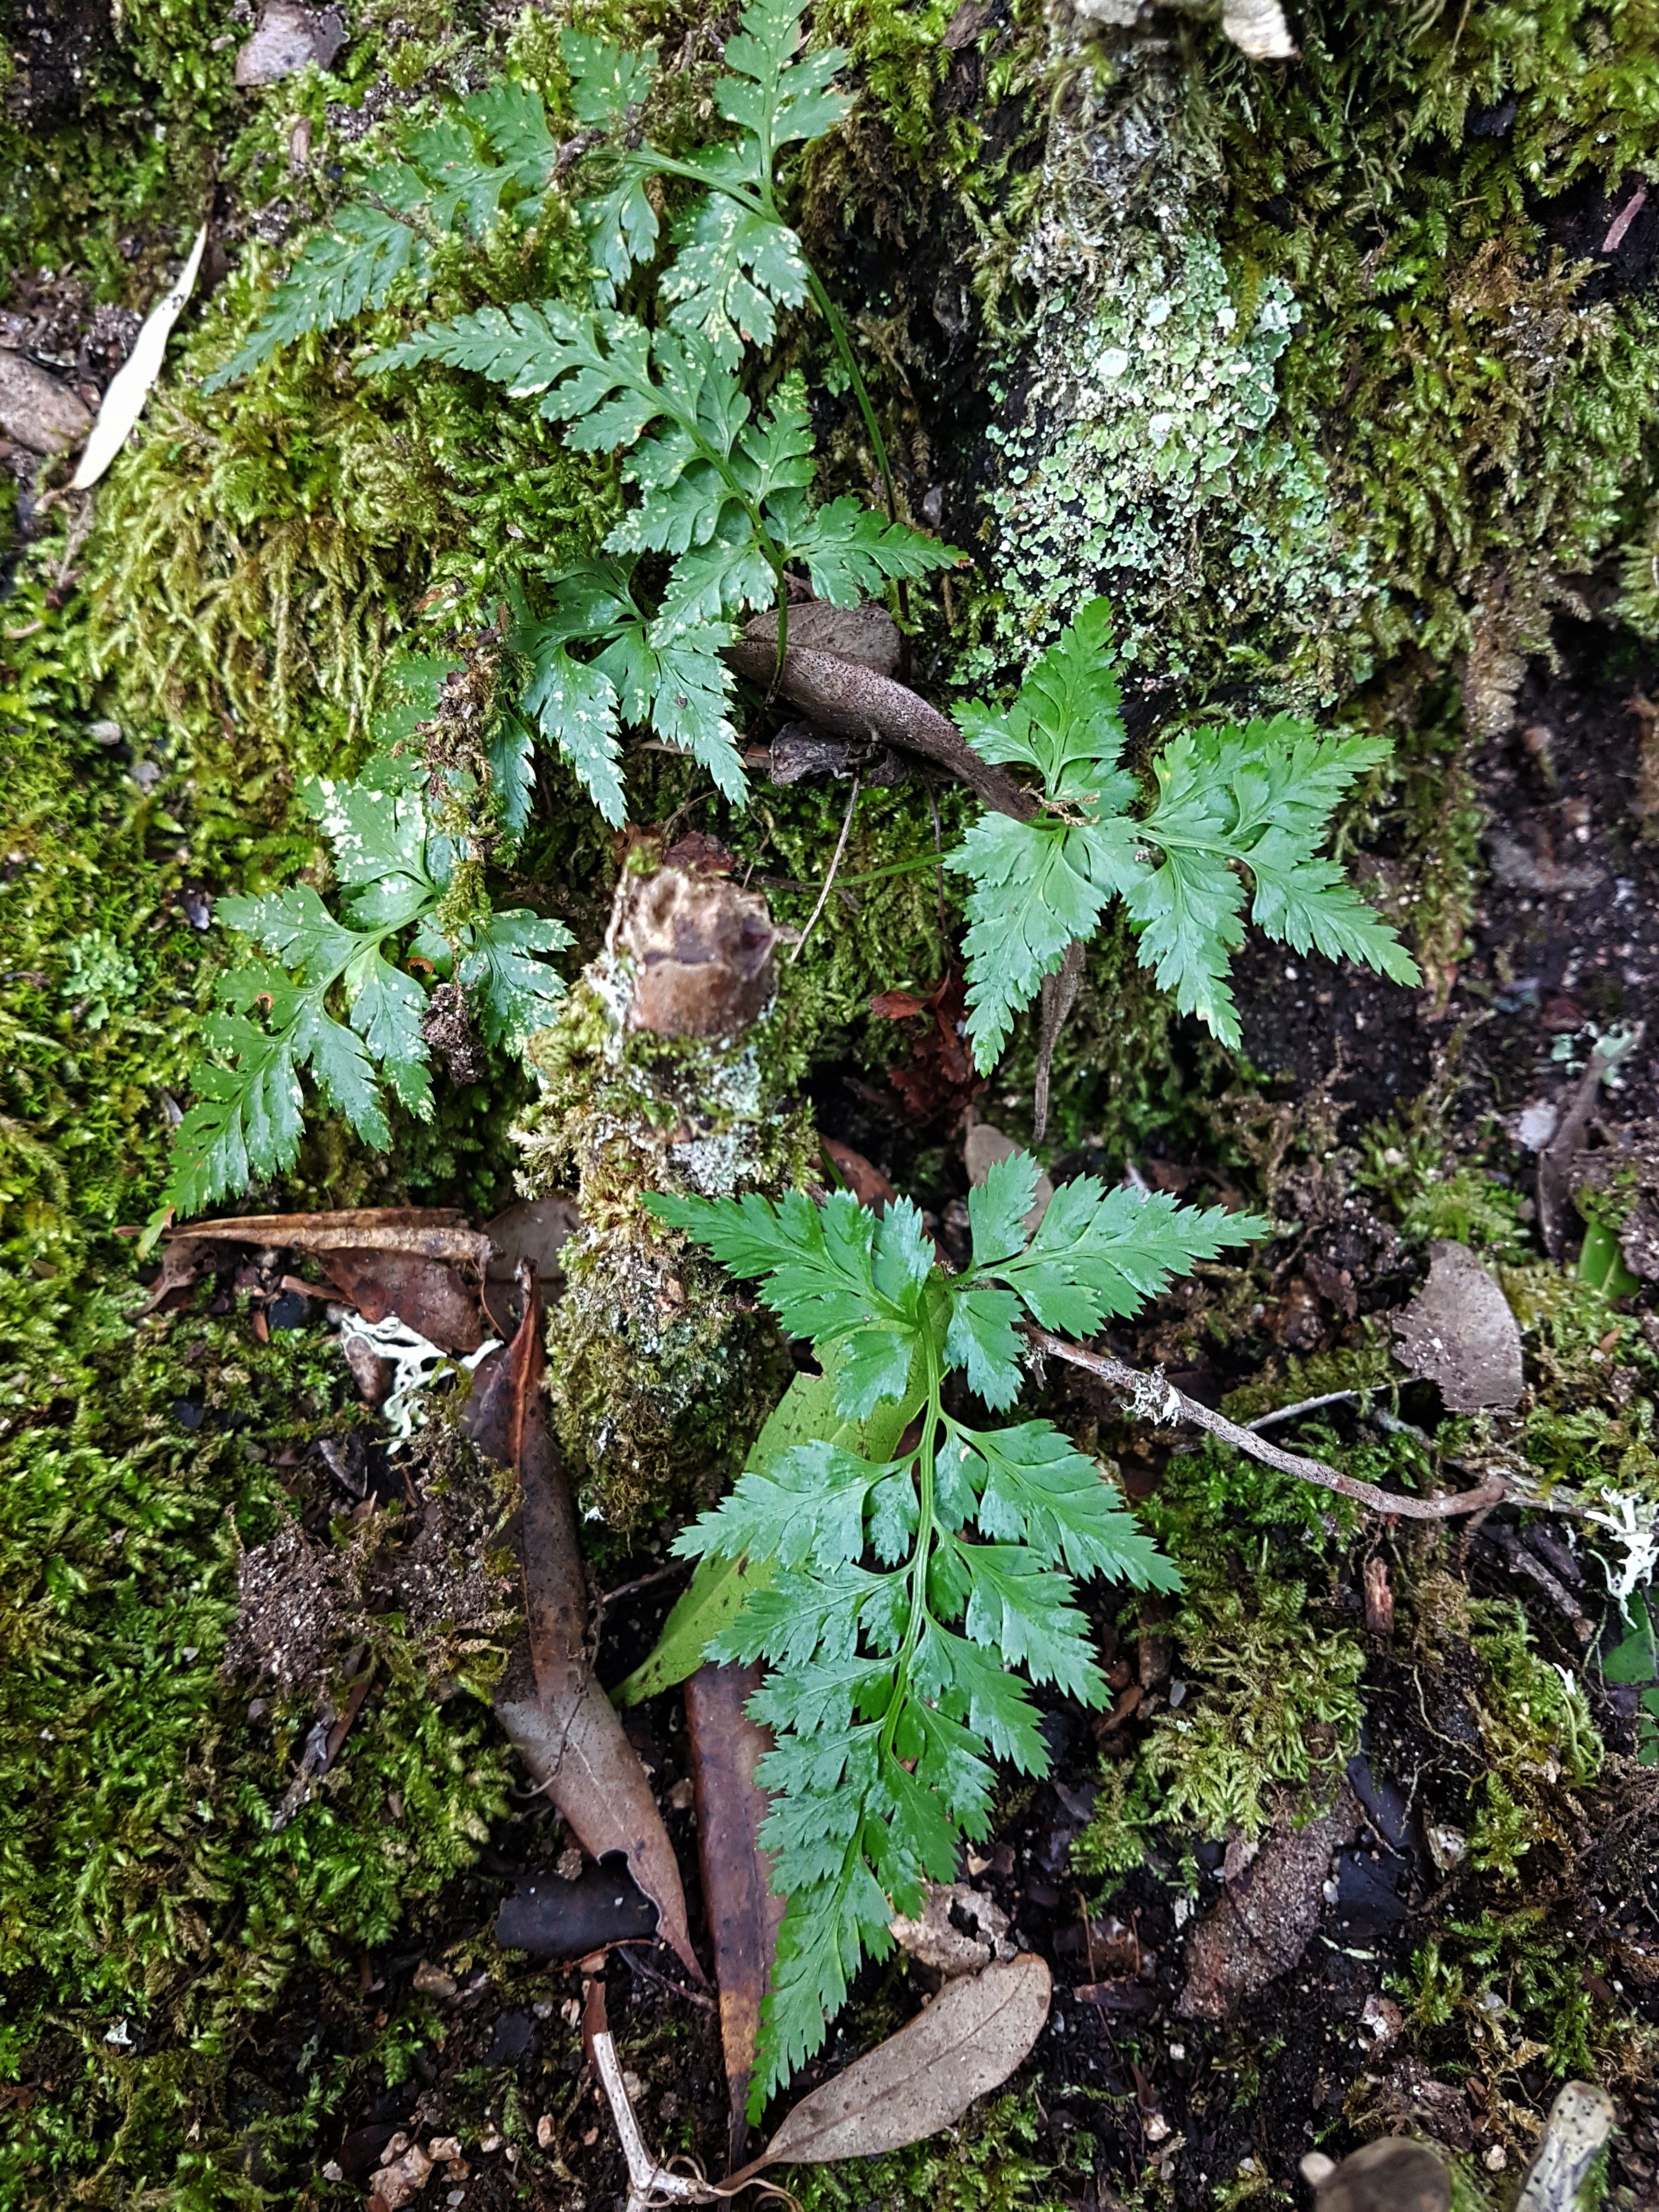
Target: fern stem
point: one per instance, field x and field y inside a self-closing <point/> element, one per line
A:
<point x="925" y="1456"/>
<point x="832" y="315"/>
<point x="757" y="204"/>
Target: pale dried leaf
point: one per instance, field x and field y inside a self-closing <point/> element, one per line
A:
<point x="1258" y="28"/>
<point x="130" y="387"/>
<point x="935" y="1939"/>
<point x="1459" y="1333"/>
<point x="967" y="2043"/>
<point x="1581" y="2120"/>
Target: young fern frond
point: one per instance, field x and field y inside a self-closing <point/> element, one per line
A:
<point x="722" y="492"/>
<point x="901" y="1593"/>
<point x="1234" y="806"/>
<point x="494" y="155"/>
<point x="393" y="867"/>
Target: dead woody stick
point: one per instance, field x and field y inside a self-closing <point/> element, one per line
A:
<point x="1154" y="1399"/>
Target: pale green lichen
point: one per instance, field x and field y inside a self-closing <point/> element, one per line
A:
<point x="1141" y="461"/>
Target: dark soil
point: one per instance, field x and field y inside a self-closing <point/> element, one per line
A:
<point x="1562" y="944"/>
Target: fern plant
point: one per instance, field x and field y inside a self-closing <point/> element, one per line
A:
<point x="327" y="996"/>
<point x="492" y="158"/>
<point x="721" y="493"/>
<point x="893" y="1592"/>
<point x="1232" y="802"/>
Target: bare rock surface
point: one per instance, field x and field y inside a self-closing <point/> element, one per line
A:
<point x="36" y="409"/>
<point x="288" y="38"/>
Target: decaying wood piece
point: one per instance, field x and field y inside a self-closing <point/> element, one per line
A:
<point x="744" y="1911"/>
<point x="852" y="701"/>
<point x="561" y="1724"/>
<point x="700" y="950"/>
<point x="1262" y="1922"/>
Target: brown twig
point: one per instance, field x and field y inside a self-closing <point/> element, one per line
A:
<point x="849" y="701"/>
<point x="1156" y="1400"/>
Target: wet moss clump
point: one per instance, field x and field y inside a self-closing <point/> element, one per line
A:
<point x="1272" y="1708"/>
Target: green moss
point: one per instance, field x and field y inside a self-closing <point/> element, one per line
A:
<point x="983" y="2164"/>
<point x="142" y="1888"/>
<point x="1272" y="1709"/>
<point x="660" y="1374"/>
<point x="1478" y="407"/>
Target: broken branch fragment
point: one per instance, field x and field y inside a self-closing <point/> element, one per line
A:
<point x="852" y="701"/>
<point x="1156" y="1399"/>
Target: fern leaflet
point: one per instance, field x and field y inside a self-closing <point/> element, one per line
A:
<point x="1232" y="803"/>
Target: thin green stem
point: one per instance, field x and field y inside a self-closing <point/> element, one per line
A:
<point x="925" y="1458"/>
<point x="832" y="315"/>
<point x="893" y="868"/>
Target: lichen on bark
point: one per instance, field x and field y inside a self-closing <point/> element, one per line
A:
<point x="656" y="1077"/>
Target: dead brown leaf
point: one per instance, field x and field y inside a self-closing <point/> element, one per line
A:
<point x="866" y="634"/>
<point x="431" y="1298"/>
<point x="421" y="1263"/>
<point x="940" y="1076"/>
<point x="563" y="1725"/>
<point x="959" y="1929"/>
<point x="1460" y="1333"/>
<point x="1260" y="1926"/>
<point x="862" y="1177"/>
<point x="743" y="1910"/>
<point x="968" y="2041"/>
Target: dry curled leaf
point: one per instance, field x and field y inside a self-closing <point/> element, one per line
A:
<point x="743" y="1910"/>
<point x="967" y="2043"/>
<point x="422" y="1263"/>
<point x="851" y="701"/>
<point x="958" y="1931"/>
<point x="563" y="1726"/>
<point x="866" y="634"/>
<point x="130" y="386"/>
